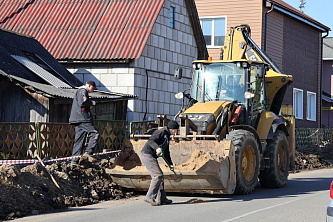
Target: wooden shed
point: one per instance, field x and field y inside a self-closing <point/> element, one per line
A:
<point x="34" y="87"/>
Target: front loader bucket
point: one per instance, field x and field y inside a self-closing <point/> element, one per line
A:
<point x="203" y="166"/>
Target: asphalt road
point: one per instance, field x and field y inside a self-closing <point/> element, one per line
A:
<point x="305" y="198"/>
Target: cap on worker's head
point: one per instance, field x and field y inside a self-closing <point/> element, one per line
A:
<point x="173" y="125"/>
<point x="92" y="83"/>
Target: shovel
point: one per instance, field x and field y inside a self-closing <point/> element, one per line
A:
<point x="178" y="177"/>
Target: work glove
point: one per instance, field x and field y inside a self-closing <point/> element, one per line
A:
<point x="159" y="152"/>
<point x="171" y="167"/>
<point x="93" y="103"/>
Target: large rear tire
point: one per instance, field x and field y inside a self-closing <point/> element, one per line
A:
<point x="247" y="160"/>
<point x="278" y="152"/>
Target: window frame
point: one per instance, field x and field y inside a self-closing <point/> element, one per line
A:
<point x="313" y="117"/>
<point x="213" y="18"/>
<point x="172" y="17"/>
<point x="296" y="90"/>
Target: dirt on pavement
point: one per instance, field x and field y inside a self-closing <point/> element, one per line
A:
<point x="27" y="190"/>
<point x="30" y="190"/>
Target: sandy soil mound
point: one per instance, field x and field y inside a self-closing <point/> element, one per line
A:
<point x="201" y="161"/>
<point x="30" y="190"/>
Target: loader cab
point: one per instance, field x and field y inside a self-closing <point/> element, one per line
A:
<point x="241" y="81"/>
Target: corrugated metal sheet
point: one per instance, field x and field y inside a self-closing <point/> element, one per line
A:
<point x="84" y="29"/>
<point x="29" y="48"/>
<point x="48" y="77"/>
<point x="53" y="92"/>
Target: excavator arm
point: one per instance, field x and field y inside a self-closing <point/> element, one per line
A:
<point x="239" y="45"/>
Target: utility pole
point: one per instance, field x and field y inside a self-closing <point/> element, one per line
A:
<point x="301" y="5"/>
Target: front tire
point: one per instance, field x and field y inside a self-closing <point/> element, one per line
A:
<point x="277" y="150"/>
<point x="247" y="160"/>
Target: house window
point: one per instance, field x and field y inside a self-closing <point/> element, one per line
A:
<point x="298" y="103"/>
<point x="172" y="17"/>
<point x="311" y="106"/>
<point x="213" y="30"/>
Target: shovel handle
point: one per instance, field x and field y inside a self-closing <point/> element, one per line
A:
<point x="169" y="166"/>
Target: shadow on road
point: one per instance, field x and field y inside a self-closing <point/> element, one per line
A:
<point x="294" y="187"/>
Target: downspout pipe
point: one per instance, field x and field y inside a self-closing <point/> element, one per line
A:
<point x="265" y="35"/>
<point x="321" y="81"/>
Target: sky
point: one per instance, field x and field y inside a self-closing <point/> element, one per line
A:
<point x="319" y="10"/>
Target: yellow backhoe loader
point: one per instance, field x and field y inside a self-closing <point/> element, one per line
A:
<point x="230" y="132"/>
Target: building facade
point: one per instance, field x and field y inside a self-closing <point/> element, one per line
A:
<point x="291" y="39"/>
<point x="129" y="51"/>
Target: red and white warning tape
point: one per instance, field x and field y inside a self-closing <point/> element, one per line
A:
<point x="53" y="160"/>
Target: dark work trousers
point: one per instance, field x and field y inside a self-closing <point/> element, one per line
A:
<point x="81" y="132"/>
<point x="156" y="188"/>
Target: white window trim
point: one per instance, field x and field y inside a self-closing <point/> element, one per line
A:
<point x="307" y="106"/>
<point x="213" y="29"/>
<point x="301" y="108"/>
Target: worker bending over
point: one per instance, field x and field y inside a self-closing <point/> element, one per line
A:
<point x="158" y="145"/>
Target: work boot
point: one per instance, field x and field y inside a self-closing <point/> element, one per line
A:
<point x="166" y="201"/>
<point x="90" y="158"/>
<point x="151" y="201"/>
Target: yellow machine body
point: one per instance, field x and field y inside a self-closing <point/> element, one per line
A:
<point x="216" y="151"/>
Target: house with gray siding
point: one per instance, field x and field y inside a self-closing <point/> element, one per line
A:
<point x="129" y="47"/>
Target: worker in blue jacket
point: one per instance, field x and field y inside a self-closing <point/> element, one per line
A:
<point x="158" y="145"/>
<point x="81" y="117"/>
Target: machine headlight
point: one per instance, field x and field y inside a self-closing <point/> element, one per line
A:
<point x="245" y="64"/>
<point x="248" y="95"/>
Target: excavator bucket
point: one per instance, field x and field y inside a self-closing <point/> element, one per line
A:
<point x="202" y="166"/>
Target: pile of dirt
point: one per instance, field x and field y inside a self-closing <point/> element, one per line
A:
<point x="27" y="190"/>
<point x="310" y="161"/>
<point x="30" y="190"/>
<point x="201" y="160"/>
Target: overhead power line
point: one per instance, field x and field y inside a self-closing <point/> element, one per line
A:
<point x="18" y="11"/>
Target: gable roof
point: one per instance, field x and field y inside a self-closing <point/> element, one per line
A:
<point x="328" y="48"/>
<point x="73" y="29"/>
<point x="297" y="14"/>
